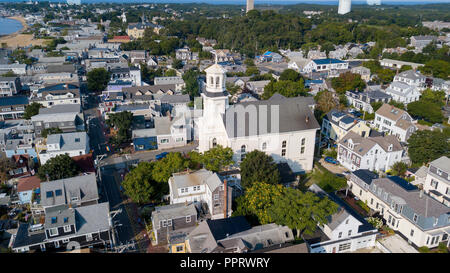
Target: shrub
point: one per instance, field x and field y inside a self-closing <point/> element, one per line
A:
<point x="424" y="249"/>
<point x="375" y="222"/>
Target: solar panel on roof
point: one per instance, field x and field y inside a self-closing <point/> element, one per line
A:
<point x="402" y="183"/>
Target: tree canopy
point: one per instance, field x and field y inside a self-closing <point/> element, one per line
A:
<point x="122" y="122"/>
<point x="257" y="200"/>
<point x="348" y="81"/>
<point x="58" y="167"/>
<point x="425" y="146"/>
<point x="32" y="110"/>
<point x="256" y="167"/>
<point x="301" y="211"/>
<point x="286" y="88"/>
<point x="139" y="184"/>
<point x="217" y="158"/>
<point x="428" y="107"/>
<point x="97" y="79"/>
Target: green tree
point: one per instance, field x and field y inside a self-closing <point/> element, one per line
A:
<point x="58" y="167"/>
<point x="32" y="110"/>
<point x="257" y="166"/>
<point x="51" y="131"/>
<point x="399" y="168"/>
<point x="425" y="146"/>
<point x="191" y="80"/>
<point x="325" y="101"/>
<point x="172" y="163"/>
<point x="290" y="75"/>
<point x="170" y="73"/>
<point x="397" y="104"/>
<point x="285" y="88"/>
<point x="177" y="64"/>
<point x="302" y="211"/>
<point x="348" y="81"/>
<point x="10" y="73"/>
<point x="217" y="158"/>
<point x="122" y="122"/>
<point x="97" y="79"/>
<point x="139" y="184"/>
<point x="257" y="200"/>
<point x="376" y="105"/>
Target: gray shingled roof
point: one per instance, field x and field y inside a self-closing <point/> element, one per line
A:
<point x="443" y="163"/>
<point x="423" y="206"/>
<point x="69" y="141"/>
<point x="293" y="113"/>
<point x="92" y="218"/>
<point x="173" y="212"/>
<point x="84" y="187"/>
<point x="200" y="177"/>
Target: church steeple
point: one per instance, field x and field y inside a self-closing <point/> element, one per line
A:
<point x="215" y="79"/>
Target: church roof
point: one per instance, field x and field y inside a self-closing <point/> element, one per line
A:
<point x="295" y="114"/>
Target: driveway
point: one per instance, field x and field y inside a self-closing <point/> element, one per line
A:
<point x="336" y="169"/>
<point x="396" y="244"/>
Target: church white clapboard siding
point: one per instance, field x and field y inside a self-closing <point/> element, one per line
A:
<point x="284" y="128"/>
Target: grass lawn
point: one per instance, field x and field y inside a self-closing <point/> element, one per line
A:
<point x="325" y="179"/>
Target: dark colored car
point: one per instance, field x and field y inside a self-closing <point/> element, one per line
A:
<point x="161" y="155"/>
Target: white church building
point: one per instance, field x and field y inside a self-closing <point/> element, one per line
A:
<point x="284" y="128"/>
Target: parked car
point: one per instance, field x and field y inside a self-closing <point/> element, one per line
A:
<point x="161" y="155"/>
<point x="331" y="160"/>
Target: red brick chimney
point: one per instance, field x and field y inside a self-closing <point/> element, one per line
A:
<point x="225" y="199"/>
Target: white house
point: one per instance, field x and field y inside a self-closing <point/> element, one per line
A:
<point x="319" y="65"/>
<point x="373" y="153"/>
<point x="412" y="78"/>
<point x="394" y="121"/>
<point x="284" y="128"/>
<point x="422" y="220"/>
<point x="171" y="132"/>
<point x="202" y="186"/>
<point x="73" y="144"/>
<point x="403" y="92"/>
<point x="437" y="181"/>
<point x="345" y="231"/>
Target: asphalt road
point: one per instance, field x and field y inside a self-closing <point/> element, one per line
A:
<point x="122" y="225"/>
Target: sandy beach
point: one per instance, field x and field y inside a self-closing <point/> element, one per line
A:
<point x="17" y="39"/>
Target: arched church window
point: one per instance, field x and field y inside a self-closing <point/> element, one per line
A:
<point x="211" y="81"/>
<point x="214" y="142"/>
<point x="217" y="81"/>
<point x="243" y="152"/>
<point x="264" y="146"/>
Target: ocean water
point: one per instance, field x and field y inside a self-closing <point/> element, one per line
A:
<point x="8" y="26"/>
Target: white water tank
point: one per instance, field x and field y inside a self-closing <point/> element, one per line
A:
<point x="345" y="6"/>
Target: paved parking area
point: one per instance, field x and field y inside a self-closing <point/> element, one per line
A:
<point x="396" y="244"/>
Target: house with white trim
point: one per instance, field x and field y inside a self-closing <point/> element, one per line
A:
<point x="419" y="218"/>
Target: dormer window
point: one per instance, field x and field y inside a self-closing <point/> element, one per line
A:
<point x="390" y="147"/>
<point x="415" y="218"/>
<point x="350" y="145"/>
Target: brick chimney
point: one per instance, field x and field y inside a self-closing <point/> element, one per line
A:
<point x="225" y="199"/>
